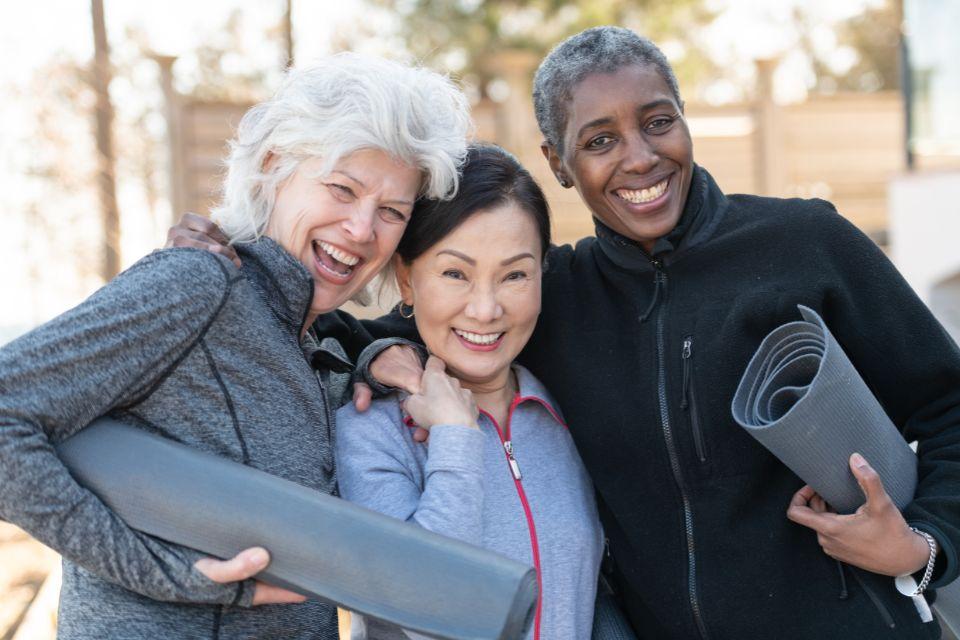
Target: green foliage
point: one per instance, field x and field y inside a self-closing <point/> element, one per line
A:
<point x="460" y="35"/>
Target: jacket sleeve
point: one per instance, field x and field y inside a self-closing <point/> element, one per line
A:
<point x="910" y="363"/>
<point x="356" y="335"/>
<point x="376" y="468"/>
<point x="103" y="355"/>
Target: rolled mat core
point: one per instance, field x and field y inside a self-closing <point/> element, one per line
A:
<point x="803" y="400"/>
<point x="320" y="546"/>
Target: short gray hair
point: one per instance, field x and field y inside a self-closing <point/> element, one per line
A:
<point x="596" y="50"/>
<point x="342" y="104"/>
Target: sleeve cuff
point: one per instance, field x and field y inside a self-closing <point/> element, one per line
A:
<point x="945" y="570"/>
<point x="368" y="355"/>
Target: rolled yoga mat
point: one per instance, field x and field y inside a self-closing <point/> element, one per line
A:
<point x="320" y="546"/>
<point x="805" y="402"/>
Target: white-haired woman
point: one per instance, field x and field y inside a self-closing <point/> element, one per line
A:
<point x="321" y="182"/>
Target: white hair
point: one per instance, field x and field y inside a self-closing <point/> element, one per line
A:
<point x="342" y="104"/>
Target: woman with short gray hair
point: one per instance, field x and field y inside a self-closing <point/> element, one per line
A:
<point x="321" y="184"/>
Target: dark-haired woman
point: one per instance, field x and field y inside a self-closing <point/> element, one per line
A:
<point x="508" y="479"/>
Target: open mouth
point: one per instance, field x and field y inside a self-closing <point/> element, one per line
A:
<point x="334" y="261"/>
<point x="644" y="196"/>
<point x="480" y="341"/>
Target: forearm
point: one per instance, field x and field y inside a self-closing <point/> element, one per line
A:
<point x="39" y="495"/>
<point x="366" y="358"/>
<point x="379" y="468"/>
<point x="452" y="500"/>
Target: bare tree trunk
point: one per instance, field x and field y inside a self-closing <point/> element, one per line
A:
<point x="106" y="181"/>
<point x="288" y="32"/>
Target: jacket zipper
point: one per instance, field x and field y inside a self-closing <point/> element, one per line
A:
<point x="688" y="401"/>
<point x="660" y="280"/>
<point x="528" y="513"/>
<point x="326" y="410"/>
<point x="875" y="599"/>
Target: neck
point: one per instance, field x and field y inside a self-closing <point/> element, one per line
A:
<point x="494" y="396"/>
<point x="308" y="323"/>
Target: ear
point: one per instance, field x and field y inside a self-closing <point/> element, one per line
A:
<point x="556" y="164"/>
<point x="402" y="272"/>
<point x="269" y="160"/>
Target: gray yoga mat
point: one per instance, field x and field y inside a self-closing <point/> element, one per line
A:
<point x="805" y="402"/>
<point x="320" y="546"/>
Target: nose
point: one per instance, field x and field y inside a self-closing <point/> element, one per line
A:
<point x="483" y="305"/>
<point x="359" y="224"/>
<point x="640" y="156"/>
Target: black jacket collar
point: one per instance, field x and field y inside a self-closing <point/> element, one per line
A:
<point x="702" y="212"/>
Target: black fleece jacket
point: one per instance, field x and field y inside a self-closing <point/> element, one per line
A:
<point x="644" y="355"/>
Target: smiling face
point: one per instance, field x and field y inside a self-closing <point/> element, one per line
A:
<point x="343" y="226"/>
<point x="476" y="294"/>
<point x="628" y="151"/>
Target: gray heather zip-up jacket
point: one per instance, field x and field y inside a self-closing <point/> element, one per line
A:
<point x="461" y="484"/>
<point x="185" y="345"/>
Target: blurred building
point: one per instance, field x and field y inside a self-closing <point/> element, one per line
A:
<point x="925" y="199"/>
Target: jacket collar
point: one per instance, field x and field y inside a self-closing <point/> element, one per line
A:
<point x="702" y="212"/>
<point x="284" y="284"/>
<point x="531" y="389"/>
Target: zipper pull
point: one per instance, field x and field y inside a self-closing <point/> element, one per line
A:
<point x="685" y="356"/>
<point x="514" y="467"/>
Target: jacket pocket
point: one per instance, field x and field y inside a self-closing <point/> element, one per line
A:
<point x="688" y="401"/>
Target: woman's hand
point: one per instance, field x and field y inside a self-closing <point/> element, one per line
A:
<point x="246" y="564"/>
<point x="397" y="366"/>
<point x="875" y="537"/>
<point x="441" y="400"/>
<point x="198" y="232"/>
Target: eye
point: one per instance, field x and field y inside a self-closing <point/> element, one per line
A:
<point x="455" y="274"/>
<point x="340" y="191"/>
<point x="394" y="216"/>
<point x="661" y="124"/>
<point x="599" y="142"/>
<point x="515" y="276"/>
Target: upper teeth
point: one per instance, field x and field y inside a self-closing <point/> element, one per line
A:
<point x="643" y="195"/>
<point x="479" y="338"/>
<point x="338" y="255"/>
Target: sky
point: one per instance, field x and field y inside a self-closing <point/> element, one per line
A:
<point x="34" y="33"/>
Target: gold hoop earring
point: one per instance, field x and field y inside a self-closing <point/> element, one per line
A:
<point x="400" y="306"/>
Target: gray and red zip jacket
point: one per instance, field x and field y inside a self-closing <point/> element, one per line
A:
<point x="518" y="488"/>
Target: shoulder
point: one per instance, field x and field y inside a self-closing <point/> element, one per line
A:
<point x="178" y="274"/>
<point x="782" y="210"/>
<point x="797" y="219"/>
<point x="383" y="421"/>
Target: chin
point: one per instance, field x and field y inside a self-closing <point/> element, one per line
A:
<point x="470" y="372"/>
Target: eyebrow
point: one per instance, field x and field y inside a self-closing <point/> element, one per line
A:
<point x="519" y="256"/>
<point x="469" y="260"/>
<point x="363" y="186"/>
<point x="662" y="102"/>
<point x="457" y="254"/>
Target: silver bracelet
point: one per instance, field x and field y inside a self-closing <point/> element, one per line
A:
<point x="928" y="573"/>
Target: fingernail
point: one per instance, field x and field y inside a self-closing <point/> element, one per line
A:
<point x="858" y="461"/>
<point x="259" y="558"/>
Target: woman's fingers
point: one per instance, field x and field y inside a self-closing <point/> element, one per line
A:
<point x="435" y="365"/>
<point x="245" y="564"/>
<point x="269" y="594"/>
<point x="398" y="366"/>
<point x="197" y="232"/>
<point x="870" y="483"/>
<point x="362" y="396"/>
